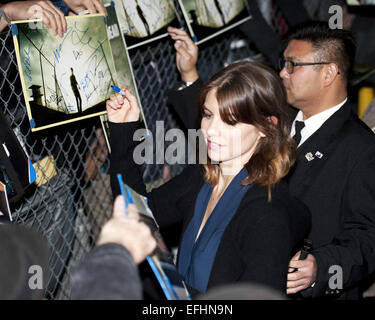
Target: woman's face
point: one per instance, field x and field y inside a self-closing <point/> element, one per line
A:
<point x="230" y="145"/>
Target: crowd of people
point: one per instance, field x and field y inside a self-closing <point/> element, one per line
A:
<point x="288" y="160"/>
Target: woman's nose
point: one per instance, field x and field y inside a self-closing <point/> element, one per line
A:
<point x="211" y="131"/>
<point x="213" y="127"/>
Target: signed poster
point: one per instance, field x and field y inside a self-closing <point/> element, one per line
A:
<point x="166" y="281"/>
<point x="64" y="79"/>
<point x="124" y="70"/>
<point x="209" y="18"/>
<point x="144" y="21"/>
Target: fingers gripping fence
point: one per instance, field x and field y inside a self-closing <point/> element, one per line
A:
<point x="73" y="199"/>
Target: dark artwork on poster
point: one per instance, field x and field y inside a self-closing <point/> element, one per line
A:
<point x="144" y="21"/>
<point x="16" y="170"/>
<point x="165" y="281"/>
<point x="64" y="79"/>
<point x="209" y="18"/>
<point x="162" y="266"/>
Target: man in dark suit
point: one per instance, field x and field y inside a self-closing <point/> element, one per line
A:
<point x="335" y="171"/>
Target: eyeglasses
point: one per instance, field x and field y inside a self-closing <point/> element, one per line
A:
<point x="289" y="65"/>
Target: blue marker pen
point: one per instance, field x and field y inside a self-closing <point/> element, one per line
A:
<point x="130" y="198"/>
<point x="118" y="90"/>
<point x="121" y="183"/>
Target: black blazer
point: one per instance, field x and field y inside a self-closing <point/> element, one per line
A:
<point x="338" y="188"/>
<point x="258" y="242"/>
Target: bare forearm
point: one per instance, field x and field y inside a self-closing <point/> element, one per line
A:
<point x="3" y="20"/>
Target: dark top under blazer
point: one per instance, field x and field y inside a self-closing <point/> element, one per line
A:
<point x="259" y="240"/>
<point x="338" y="188"/>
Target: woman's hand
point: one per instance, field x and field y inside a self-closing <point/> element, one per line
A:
<point x="121" y="108"/>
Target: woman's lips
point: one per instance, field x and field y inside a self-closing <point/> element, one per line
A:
<point x="213" y="146"/>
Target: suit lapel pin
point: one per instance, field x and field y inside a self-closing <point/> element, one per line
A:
<point x="309" y="156"/>
<point x="319" y="155"/>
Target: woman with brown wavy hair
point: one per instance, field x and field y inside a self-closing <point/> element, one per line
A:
<point x="239" y="222"/>
<point x="248" y="98"/>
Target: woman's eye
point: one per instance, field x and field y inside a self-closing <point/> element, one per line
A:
<point x="232" y="122"/>
<point x="206" y="115"/>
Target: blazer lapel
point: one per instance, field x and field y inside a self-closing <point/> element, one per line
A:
<point x="315" y="151"/>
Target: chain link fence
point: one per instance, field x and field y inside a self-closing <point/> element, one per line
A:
<point x="73" y="200"/>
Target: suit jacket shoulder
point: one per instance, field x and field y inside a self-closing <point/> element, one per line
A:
<point x="334" y="176"/>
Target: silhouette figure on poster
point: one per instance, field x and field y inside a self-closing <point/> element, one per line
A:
<point x="75" y="87"/>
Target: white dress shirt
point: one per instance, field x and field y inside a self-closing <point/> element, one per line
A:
<point x="313" y="123"/>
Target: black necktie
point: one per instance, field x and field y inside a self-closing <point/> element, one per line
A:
<point x="298" y="125"/>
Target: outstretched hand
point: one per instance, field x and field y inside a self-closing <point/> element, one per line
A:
<point x="50" y="15"/>
<point x="128" y="232"/>
<point x="93" y="6"/>
<point x="186" y="54"/>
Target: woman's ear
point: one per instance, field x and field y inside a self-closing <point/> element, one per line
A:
<point x="273" y="120"/>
